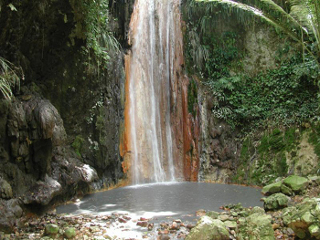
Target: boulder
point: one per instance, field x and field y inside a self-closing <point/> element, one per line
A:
<point x="275" y="201"/>
<point x="272" y="188"/>
<point x="5" y="189"/>
<point x="208" y="228"/>
<point x="69" y="233"/>
<point x="51" y="229"/>
<point x="43" y="192"/>
<point x="296" y="183"/>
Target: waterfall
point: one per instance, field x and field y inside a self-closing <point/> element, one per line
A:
<point x="150" y="70"/>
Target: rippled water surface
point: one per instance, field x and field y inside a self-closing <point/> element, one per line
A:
<point x="181" y="199"/>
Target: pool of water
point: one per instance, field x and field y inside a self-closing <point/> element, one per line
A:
<point x="161" y="202"/>
<point x="180" y="199"/>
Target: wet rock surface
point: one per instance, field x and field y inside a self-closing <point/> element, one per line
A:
<point x="37" y="165"/>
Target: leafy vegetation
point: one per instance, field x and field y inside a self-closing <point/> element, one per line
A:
<point x="92" y="25"/>
<point x="9" y="78"/>
<point x="285" y="95"/>
<point x="301" y="24"/>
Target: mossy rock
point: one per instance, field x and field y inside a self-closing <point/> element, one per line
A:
<point x="257" y="226"/>
<point x="296" y="183"/>
<point x="69" y="233"/>
<point x="286" y="190"/>
<point x="212" y="214"/>
<point x="207" y="229"/>
<point x="275" y="201"/>
<point x="51" y="229"/>
<point x="314" y="230"/>
<point x="272" y="188"/>
<point x="303" y="218"/>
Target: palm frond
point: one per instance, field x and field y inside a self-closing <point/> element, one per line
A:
<point x="276" y="16"/>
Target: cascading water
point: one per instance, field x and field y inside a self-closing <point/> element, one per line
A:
<point x="150" y="71"/>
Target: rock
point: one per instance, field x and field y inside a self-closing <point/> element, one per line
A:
<point x="122" y="220"/>
<point x="69" y="233"/>
<point x="10" y="213"/>
<point x="43" y="192"/>
<point x="314" y="230"/>
<point x="301" y="217"/>
<point x="142" y="223"/>
<point x="223" y="217"/>
<point x="174" y="226"/>
<point x="201" y="213"/>
<point x="286" y="190"/>
<point x="150" y="226"/>
<point x="257" y="210"/>
<point x="296" y="183"/>
<point x="212" y="214"/>
<point x="5" y="189"/>
<point x="51" y="229"/>
<point x="315" y="179"/>
<point x="231" y="225"/>
<point x="256" y="226"/>
<point x="275" y="201"/>
<point x="208" y="228"/>
<point x="271" y="188"/>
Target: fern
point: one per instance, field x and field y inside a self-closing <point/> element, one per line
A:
<point x="9" y="78"/>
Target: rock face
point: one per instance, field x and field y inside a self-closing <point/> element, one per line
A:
<point x="10" y="213"/>
<point x="61" y="132"/>
<point x="219" y="148"/>
<point x="87" y="95"/>
<point x="38" y="165"/>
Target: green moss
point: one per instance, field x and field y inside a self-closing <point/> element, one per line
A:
<point x="290" y="138"/>
<point x="314" y="138"/>
<point x="77" y="145"/>
<point x="276" y="140"/>
<point x="262" y="164"/>
<point x="244" y="155"/>
<point x="281" y="166"/>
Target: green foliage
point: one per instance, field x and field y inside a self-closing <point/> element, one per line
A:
<point x="9" y="78"/>
<point x="314" y="138"/>
<point x="92" y="25"/>
<point x="293" y="25"/>
<point x="285" y="95"/>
